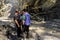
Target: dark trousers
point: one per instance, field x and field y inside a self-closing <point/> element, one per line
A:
<point x="19" y="31"/>
<point x="26" y="29"/>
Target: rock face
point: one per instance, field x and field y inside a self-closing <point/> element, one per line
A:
<point x="54" y="11"/>
<point x="44" y="7"/>
<point x="1" y="3"/>
<point x="48" y="8"/>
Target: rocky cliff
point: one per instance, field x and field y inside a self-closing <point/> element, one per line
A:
<point x="47" y="8"/>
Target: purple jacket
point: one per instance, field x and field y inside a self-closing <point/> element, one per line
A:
<point x="27" y="20"/>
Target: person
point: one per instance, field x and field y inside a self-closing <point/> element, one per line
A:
<point x="26" y="22"/>
<point x="16" y="20"/>
<point x="19" y="18"/>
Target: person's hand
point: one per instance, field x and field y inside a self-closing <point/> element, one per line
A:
<point x="23" y="22"/>
<point x="18" y="25"/>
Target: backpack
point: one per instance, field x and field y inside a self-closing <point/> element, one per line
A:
<point x="23" y="17"/>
